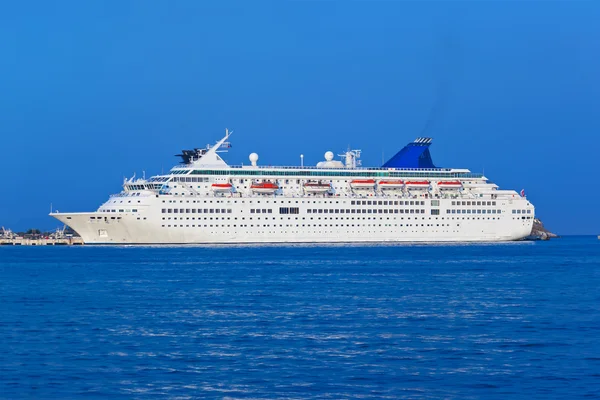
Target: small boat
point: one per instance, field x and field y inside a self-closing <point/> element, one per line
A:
<point x="317" y="187"/>
<point x="449" y="185"/>
<point x="417" y="185"/>
<point x="391" y="185"/>
<point x="362" y="184"/>
<point x="221" y="187"/>
<point x="264" y="187"/>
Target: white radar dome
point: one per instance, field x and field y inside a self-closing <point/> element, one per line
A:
<point x="253" y="158"/>
<point x="329" y="156"/>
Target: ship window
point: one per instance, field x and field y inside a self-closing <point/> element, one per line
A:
<point x="164" y="210"/>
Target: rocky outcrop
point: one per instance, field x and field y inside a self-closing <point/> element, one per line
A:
<point x="539" y="232"/>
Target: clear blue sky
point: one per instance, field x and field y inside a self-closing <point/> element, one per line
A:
<point x="91" y="91"/>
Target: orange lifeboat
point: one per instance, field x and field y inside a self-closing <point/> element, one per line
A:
<point x="362" y="184"/>
<point x="417" y="185"/>
<point x="264" y="187"/>
<point x="317" y="187"/>
<point x="391" y="184"/>
<point x="221" y="187"/>
<point x="449" y="185"/>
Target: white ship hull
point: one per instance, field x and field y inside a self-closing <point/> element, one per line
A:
<point x="148" y="227"/>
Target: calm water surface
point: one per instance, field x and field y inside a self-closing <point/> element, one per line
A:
<point x="519" y="320"/>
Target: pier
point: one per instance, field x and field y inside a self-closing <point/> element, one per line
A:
<point x="73" y="241"/>
<point x="36" y="238"/>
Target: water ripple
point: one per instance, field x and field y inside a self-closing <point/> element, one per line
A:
<point x="511" y="320"/>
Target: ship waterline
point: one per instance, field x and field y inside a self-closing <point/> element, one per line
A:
<point x="256" y="204"/>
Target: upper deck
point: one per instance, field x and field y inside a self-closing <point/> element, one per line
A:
<point x="201" y="168"/>
<point x="304" y="171"/>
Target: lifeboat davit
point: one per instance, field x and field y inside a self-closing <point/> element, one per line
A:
<point x="391" y="185"/>
<point x="417" y="185"/>
<point x="221" y="187"/>
<point x="317" y="187"/>
<point x="449" y="185"/>
<point x="362" y="184"/>
<point x="264" y="187"/>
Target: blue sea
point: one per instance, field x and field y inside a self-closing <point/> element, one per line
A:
<point x="473" y="321"/>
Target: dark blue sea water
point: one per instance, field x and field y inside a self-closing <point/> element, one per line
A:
<point x="506" y="321"/>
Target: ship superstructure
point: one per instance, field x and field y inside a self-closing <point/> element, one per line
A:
<point x="408" y="199"/>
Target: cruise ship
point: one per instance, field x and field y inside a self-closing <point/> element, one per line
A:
<point x="204" y="200"/>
